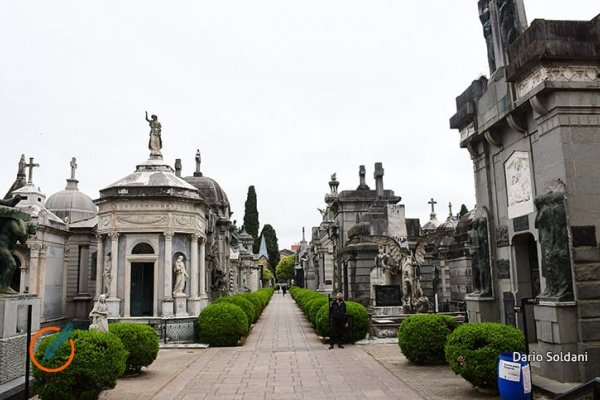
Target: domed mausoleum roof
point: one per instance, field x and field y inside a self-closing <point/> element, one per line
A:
<point x="153" y="177"/>
<point x="209" y="189"/>
<point x="433" y="222"/>
<point x="71" y="203"/>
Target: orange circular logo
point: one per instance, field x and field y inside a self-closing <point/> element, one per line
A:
<point x="37" y="363"/>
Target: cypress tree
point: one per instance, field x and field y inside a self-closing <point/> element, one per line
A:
<point x="272" y="247"/>
<point x="463" y="210"/>
<point x="251" y="217"/>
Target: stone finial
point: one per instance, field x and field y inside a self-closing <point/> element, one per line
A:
<point x="21" y="171"/>
<point x="361" y="175"/>
<point x="72" y="182"/>
<point x="450" y="210"/>
<point x="198" y="162"/>
<point x="178" y="167"/>
<point x="333" y="184"/>
<point x="303" y="237"/>
<point x="73" y="167"/>
<point x="378" y="174"/>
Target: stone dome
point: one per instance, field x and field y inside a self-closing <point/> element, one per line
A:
<point x="71" y="203"/>
<point x="209" y="189"/>
<point x="448" y="225"/>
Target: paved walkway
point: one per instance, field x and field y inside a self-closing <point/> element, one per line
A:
<point x="282" y="359"/>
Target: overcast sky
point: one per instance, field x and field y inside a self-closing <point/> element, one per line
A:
<point x="276" y="94"/>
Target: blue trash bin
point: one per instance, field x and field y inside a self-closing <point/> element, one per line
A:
<point x="514" y="377"/>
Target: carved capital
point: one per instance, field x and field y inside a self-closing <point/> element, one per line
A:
<point x="168" y="235"/>
<point x="114" y="235"/>
<point x="196" y="237"/>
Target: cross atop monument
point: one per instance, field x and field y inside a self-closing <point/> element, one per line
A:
<point x="73" y="167"/>
<point x="450" y="209"/>
<point x="433" y="203"/>
<point x="31" y="165"/>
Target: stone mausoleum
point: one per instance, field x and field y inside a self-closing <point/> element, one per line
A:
<point x="532" y="130"/>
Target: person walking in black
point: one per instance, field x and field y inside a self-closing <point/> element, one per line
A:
<point x="337" y="315"/>
<point x="284" y="289"/>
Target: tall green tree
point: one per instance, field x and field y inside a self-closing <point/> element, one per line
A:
<point x="272" y="247"/>
<point x="251" y="224"/>
<point x="285" y="268"/>
<point x="463" y="210"/>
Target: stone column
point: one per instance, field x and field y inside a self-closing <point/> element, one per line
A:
<point x="193" y="302"/>
<point x="202" y="260"/>
<point x="83" y="265"/>
<point x="194" y="267"/>
<point x="34" y="263"/>
<point x="99" y="266"/>
<point x="167" y="303"/>
<point x="113" y="302"/>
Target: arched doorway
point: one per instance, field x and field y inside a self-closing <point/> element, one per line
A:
<point x="528" y="277"/>
<point x="142" y="282"/>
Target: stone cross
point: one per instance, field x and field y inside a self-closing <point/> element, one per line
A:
<point x="361" y="173"/>
<point x="31" y="165"/>
<point x="73" y="167"/>
<point x="433" y="203"/>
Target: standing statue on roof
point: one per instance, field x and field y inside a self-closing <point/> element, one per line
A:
<point x="155" y="142"/>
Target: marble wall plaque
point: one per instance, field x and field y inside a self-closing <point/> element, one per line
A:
<point x="521" y="223"/>
<point x="503" y="268"/>
<point x="388" y="295"/>
<point x="517" y="170"/>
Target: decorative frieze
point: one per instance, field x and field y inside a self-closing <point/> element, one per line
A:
<point x="570" y="73"/>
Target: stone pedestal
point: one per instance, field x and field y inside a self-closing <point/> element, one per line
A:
<point x="482" y="309"/>
<point x="556" y="333"/>
<point x="180" y="300"/>
<point x="167" y="308"/>
<point x="13" y="333"/>
<point x="114" y="307"/>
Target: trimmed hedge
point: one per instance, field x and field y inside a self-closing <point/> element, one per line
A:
<point x="243" y="303"/>
<point x="99" y="360"/>
<point x="140" y="341"/>
<point x="472" y="350"/>
<point x="222" y="324"/>
<point x="422" y="337"/>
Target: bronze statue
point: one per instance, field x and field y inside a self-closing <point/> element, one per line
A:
<point x="551" y="222"/>
<point x="155" y="142"/>
<point x="14" y="228"/>
<point x="486" y="22"/>
<point x="480" y="259"/>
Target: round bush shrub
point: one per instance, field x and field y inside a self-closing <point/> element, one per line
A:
<point x="302" y="303"/>
<point x="422" y="337"/>
<point x="243" y="303"/>
<point x="140" y="341"/>
<point x="222" y="324"/>
<point x="258" y="301"/>
<point x="99" y="360"/>
<point x="472" y="350"/>
<point x="360" y="320"/>
<point x="322" y="320"/>
<point x="313" y="306"/>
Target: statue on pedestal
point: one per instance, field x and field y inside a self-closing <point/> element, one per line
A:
<point x="551" y="222"/>
<point x="14" y="228"/>
<point x="180" y="275"/>
<point x="480" y="260"/>
<point x="99" y="315"/>
<point x="107" y="273"/>
<point x="155" y="142"/>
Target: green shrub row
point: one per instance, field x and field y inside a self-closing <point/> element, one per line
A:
<point x="316" y="308"/>
<point x="226" y="320"/>
<point x="472" y="350"/>
<point x="100" y="358"/>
